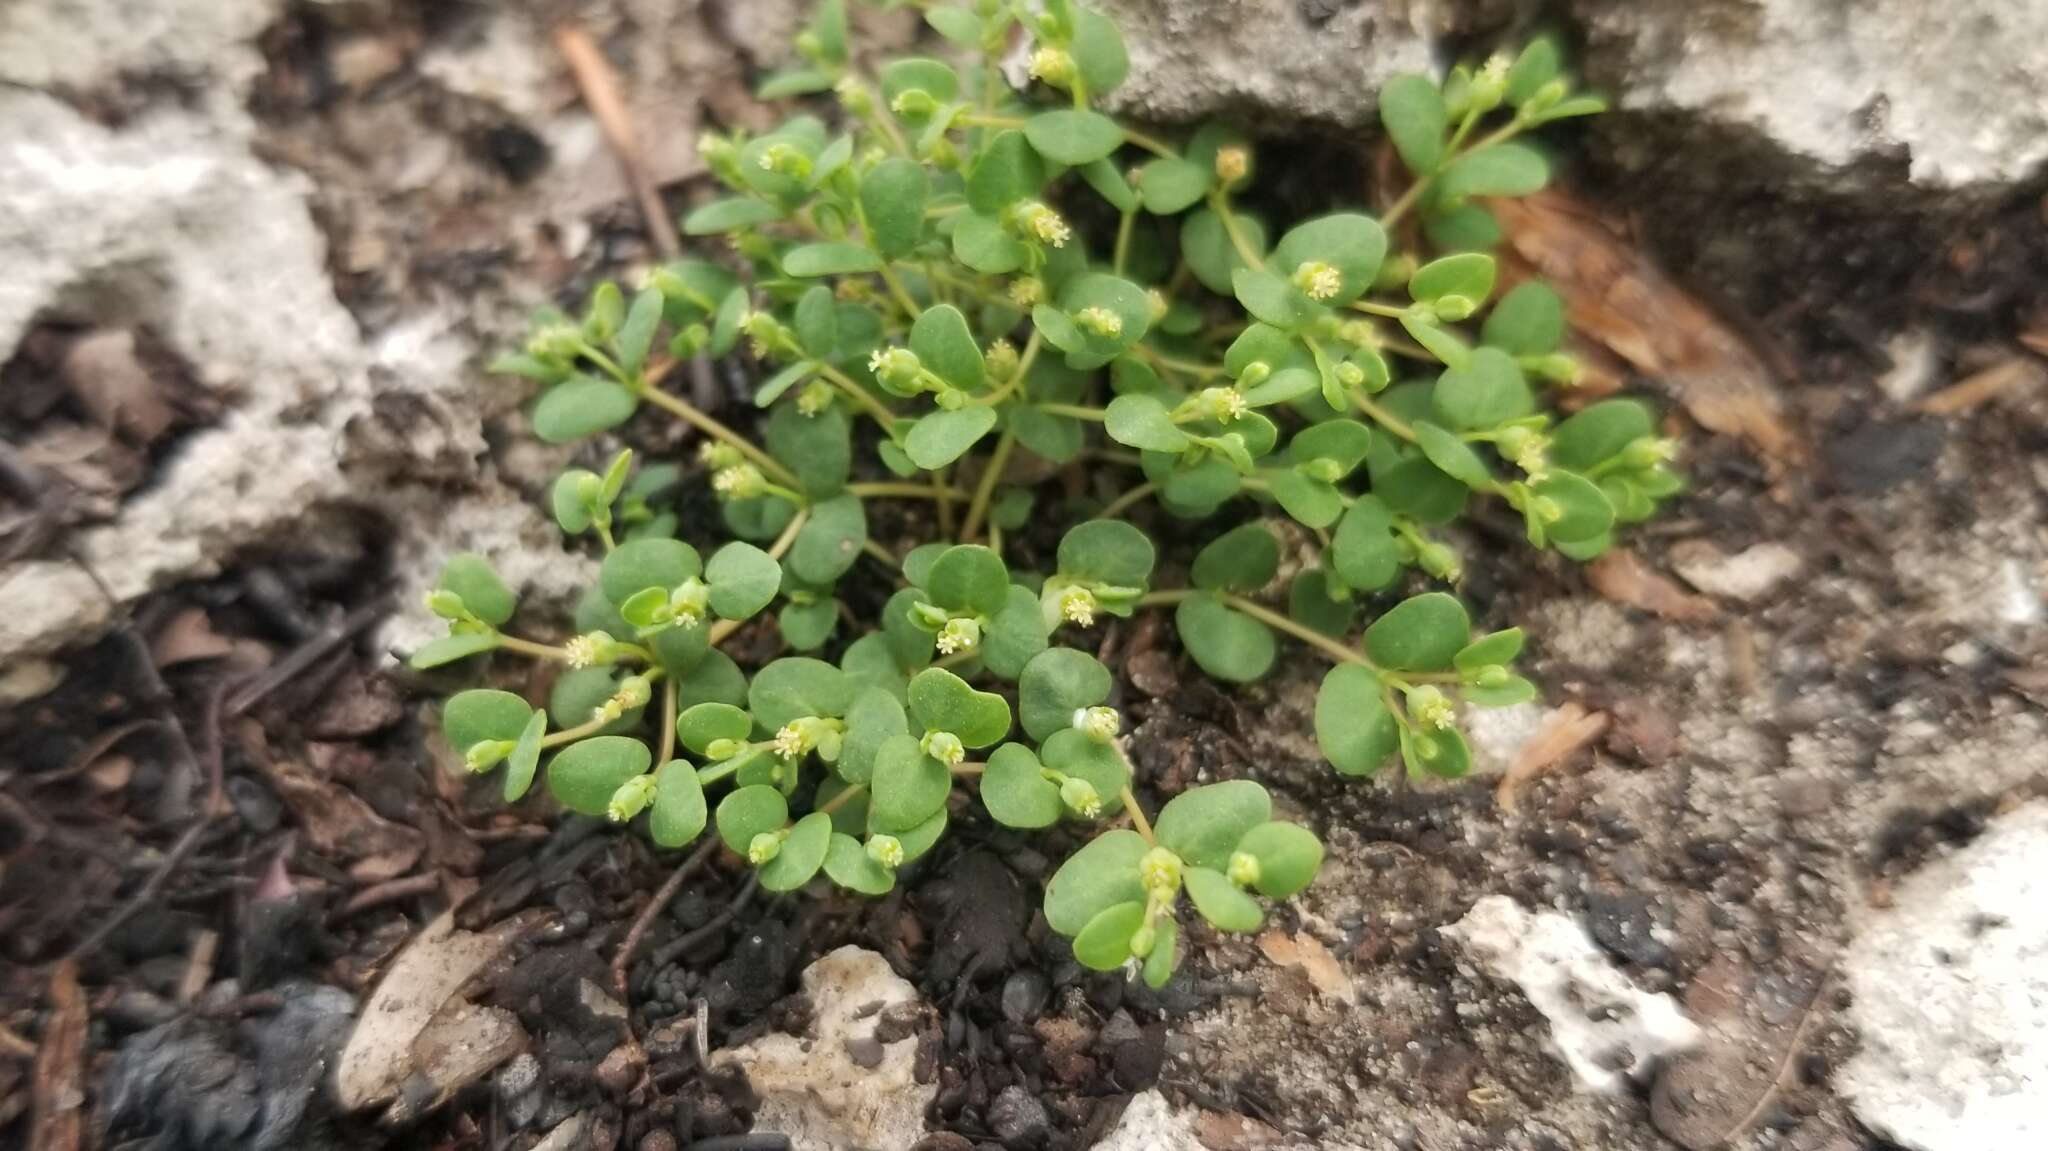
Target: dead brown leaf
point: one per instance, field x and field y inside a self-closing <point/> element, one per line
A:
<point x="1981" y="387"/>
<point x="188" y="637"/>
<point x="1564" y="732"/>
<point x="1308" y="953"/>
<point x="1623" y="577"/>
<point x="59" y="1088"/>
<point x="103" y="370"/>
<point x="335" y="821"/>
<point x="1229" y="1131"/>
<point x="1615" y="296"/>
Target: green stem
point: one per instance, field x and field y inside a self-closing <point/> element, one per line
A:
<point x="689" y="413"/>
<point x="906" y="491"/>
<point x="1391" y="311"/>
<point x="861" y="397"/>
<point x="1076" y="411"/>
<point x="572" y="734"/>
<point x="1127" y="501"/>
<point x="1414" y="193"/>
<point x="668" y="691"/>
<point x="1131" y="808"/>
<point x="843" y="798"/>
<point x="1220" y="204"/>
<point x="1123" y="240"/>
<point x="991" y="474"/>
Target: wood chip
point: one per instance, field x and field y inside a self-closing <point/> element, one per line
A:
<point x="1623" y="577"/>
<point x="1565" y="731"/>
<point x="1307" y="952"/>
<point x="1615" y="296"/>
<point x="58" y="1123"/>
<point x="2015" y="373"/>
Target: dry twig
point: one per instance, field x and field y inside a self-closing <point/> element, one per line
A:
<point x="599" y="84"/>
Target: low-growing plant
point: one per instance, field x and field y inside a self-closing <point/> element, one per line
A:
<point x="933" y="326"/>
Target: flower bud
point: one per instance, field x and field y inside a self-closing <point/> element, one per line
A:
<point x="1026" y="292"/>
<point x="1452" y="309"/>
<point x="1490" y="83"/>
<point x="723" y="749"/>
<point x="1052" y="67"/>
<point x="854" y="96"/>
<point x="1233" y="163"/>
<point x="1221" y="404"/>
<point x="945" y="747"/>
<point x="1254" y="374"/>
<point x="1101" y="321"/>
<point x="1038" y="222"/>
<point x="1098" y="723"/>
<point x="1156" y="304"/>
<point x="815" y="398"/>
<point x="959" y="635"/>
<point x="1243" y="869"/>
<point x="1546" y="97"/>
<point x="1077" y="605"/>
<point x="886" y="851"/>
<point x="1144" y="939"/>
<point x="1001" y="359"/>
<point x="1350" y="375"/>
<point x="1558" y="368"/>
<point x="688" y="602"/>
<point x="1430" y="707"/>
<point x="914" y="103"/>
<point x="1080" y="797"/>
<point x="1648" y="452"/>
<point x="929" y="616"/>
<point x="897" y="369"/>
<point x="447" y="604"/>
<point x="1160" y="872"/>
<point x="631" y="798"/>
<point x="717" y="455"/>
<point x="486" y="754"/>
<point x="739" y="482"/>
<point x="764" y="847"/>
<point x="1439" y="561"/>
<point x="1323" y="469"/>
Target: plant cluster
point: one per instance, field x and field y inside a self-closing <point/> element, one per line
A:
<point x="933" y="325"/>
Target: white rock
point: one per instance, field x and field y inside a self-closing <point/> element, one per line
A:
<point x="812" y="1090"/>
<point x="1150" y="1123"/>
<point x="1950" y="987"/>
<point x="1498" y="734"/>
<point x="1748" y="575"/>
<point x="1599" y="1019"/>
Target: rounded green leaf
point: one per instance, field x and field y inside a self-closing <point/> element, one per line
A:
<point x="932" y="76"/>
<point x="1342" y="442"/>
<point x="908" y="786"/>
<point x="1528" y="321"/>
<point x="1467" y="274"/>
<point x="1497" y="647"/>
<point x="639" y="564"/>
<point x="1243" y="559"/>
<point x="1513" y="690"/>
<point x="730" y="215"/>
<point x="1412" y="108"/>
<point x="910" y="646"/>
<point x="848" y="864"/>
<point x="702" y="724"/>
<point x="1109" y="183"/>
<point x="678" y="813"/>
<point x="1099" y="53"/>
<point x="796" y="687"/>
<point x="942" y="701"/>
<point x="743" y="580"/>
<point x="806" y="626"/>
<point x="1210" y="254"/>
<point x="1309" y="602"/>
<point x="830" y="258"/>
<point x="1486" y="391"/>
<point x="1203" y="824"/>
<point x="636" y="335"/>
<point x="892" y="197"/>
<point x="1056" y="683"/>
<point x="1289" y="857"/>
<point x="1073" y="752"/>
<point x="1099" y="291"/>
<point x="1535" y="66"/>
<point x="1354" y="727"/>
<point x="1421" y="633"/>
<point x="525" y="758"/>
<point x="1453" y="456"/>
<point x="816" y="320"/>
<point x="1015" y="635"/>
<point x="580" y="407"/>
<point x="969" y="578"/>
<point x="1141" y="421"/>
<point x="1073" y="136"/>
<point x="922" y="838"/>
<point x="449" y="648"/>
<point x="565" y="499"/>
<point x="471" y="576"/>
<point x="1101" y="875"/>
<point x="1273" y="299"/>
<point x="1600" y="432"/>
<point x="829" y="541"/>
<point x="714" y="679"/>
<point x="1443" y="754"/>
<point x="1221" y="903"/>
<point x="471" y="717"/>
<point x="750" y="811"/>
<point x="1495" y="170"/>
<point x="1015" y="791"/>
<point x="1347" y="241"/>
<point x="803" y="852"/>
<point x="1363" y="551"/>
<point x="944" y="436"/>
<point x="945" y="345"/>
<point x="875" y="718"/>
<point x="1104" y="942"/>
<point x="1170" y="184"/>
<point x="1461" y="228"/>
<point x="1107" y="551"/>
<point x="585" y="774"/>
<point x="1007" y="170"/>
<point x="1587" y="514"/>
<point x="1165" y="957"/>
<point x="578" y="691"/>
<point x="1311" y="502"/>
<point x="1226" y="644"/>
<point x="983" y="244"/>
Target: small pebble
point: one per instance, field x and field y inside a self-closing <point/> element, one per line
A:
<point x="1018" y="1119"/>
<point x="1024" y="995"/>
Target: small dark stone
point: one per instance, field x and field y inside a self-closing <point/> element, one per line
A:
<point x="865" y="1051"/>
<point x="1018" y="1119"/>
<point x="259" y="809"/>
<point x="658" y="1139"/>
<point x="515" y="150"/>
<point x="1024" y="995"/>
<point x="1879" y="456"/>
<point x="520" y="1094"/>
<point x="1622" y="924"/>
<point x="943" y="1141"/>
<point x="1138" y="1061"/>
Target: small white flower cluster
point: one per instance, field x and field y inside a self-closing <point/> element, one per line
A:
<point x="1101" y="321"/>
<point x="1318" y="279"/>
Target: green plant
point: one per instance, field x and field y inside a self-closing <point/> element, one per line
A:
<point x="890" y="273"/>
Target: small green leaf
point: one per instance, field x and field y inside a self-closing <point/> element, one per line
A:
<point x="795" y="82"/>
<point x="803" y="852"/>
<point x="818" y="448"/>
<point x="1421" y="633"/>
<point x="471" y="717"/>
<point x="1310" y="602"/>
<point x="1528" y="321"/>
<point x="944" y="436"/>
<point x="875" y="718"/>
<point x="566" y="500"/>
<point x="806" y="626"/>
<point x="1109" y="183"/>
<point x="933" y="76"/>
<point x="1104" y="942"/>
<point x="1169" y="185"/>
<point x="1354" y="727"/>
<point x="1351" y="243"/>
<point x="1015" y="791"/>
<point x="715" y="679"/>
<point x="1272" y="299"/>
<point x="1289" y="857"/>
<point x="1412" y="108"/>
<point x="1101" y="875"/>
<point x="730" y="215"/>
<point x="1221" y="903"/>
<point x="942" y="701"/>
<point x="1536" y="66"/>
<point x="1496" y="647"/>
<point x="1165" y="957"/>
<point x="1599" y="433"/>
<point x="578" y="692"/>
<point x="1342" y="442"/>
<point x="702" y="724"/>
<point x="580" y="407"/>
<point x="1055" y="684"/>
<point x="1453" y="455"/>
<point x="846" y="861"/>
<point x="1210" y="255"/>
<point x="1006" y="171"/>
<point x="1495" y="170"/>
<point x="1099" y="54"/>
<point x="908" y="786"/>
<point x="1461" y="228"/>
<point x="639" y="564"/>
<point x="678" y="813"/>
<point x="1073" y="136"/>
<point x="1203" y="824"/>
<point x="750" y="811"/>
<point x="1226" y="644"/>
<point x="1142" y="422"/>
<point x="1509" y="692"/>
<point x="743" y="580"/>
<point x="585" y="774"/>
<point x="796" y="687"/>
<point x="830" y="258"/>
<point x="892" y="199"/>
<point x="1311" y="502"/>
<point x="1243" y="559"/>
<point x="944" y="344"/>
<point x="983" y="244"/>
<point x="636" y="335"/>
<point x="829" y="541"/>
<point x="525" y="758"/>
<point x="1434" y="339"/>
<point x="1015" y="635"/>
<point x="1486" y="392"/>
<point x="1587" y="514"/>
<point x="1444" y="754"/>
<point x="969" y="578"/>
<point x="1467" y="274"/>
<point x="471" y="576"/>
<point x="1363" y="551"/>
<point x="1107" y="551"/>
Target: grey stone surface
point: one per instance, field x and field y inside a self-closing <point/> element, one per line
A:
<point x="1950" y="987"/>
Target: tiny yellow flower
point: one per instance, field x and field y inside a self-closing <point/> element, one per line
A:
<point x="1101" y="321"/>
<point x="1318" y="279"/>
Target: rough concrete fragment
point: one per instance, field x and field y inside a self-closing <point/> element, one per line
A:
<point x="1150" y="1123"/>
<point x="1603" y="1026"/>
<point x="52" y="43"/>
<point x="1748" y="575"/>
<point x="1950" y="997"/>
<point x="812" y="1089"/>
